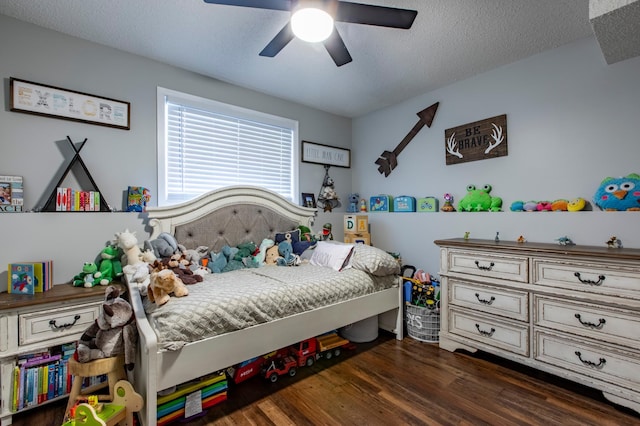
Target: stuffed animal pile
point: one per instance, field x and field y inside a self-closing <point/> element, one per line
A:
<point x="113" y="333"/>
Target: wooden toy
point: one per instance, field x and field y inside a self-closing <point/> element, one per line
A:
<point x="120" y="411"/>
<point x="356" y="224"/>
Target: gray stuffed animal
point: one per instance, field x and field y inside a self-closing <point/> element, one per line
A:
<point x="113" y="333"/>
<point x="163" y="246"/>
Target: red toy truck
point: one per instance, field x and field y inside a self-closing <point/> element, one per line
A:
<point x="327" y="345"/>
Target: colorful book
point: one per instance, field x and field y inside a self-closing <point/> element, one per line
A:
<point x="11" y="194"/>
<point x="21" y="278"/>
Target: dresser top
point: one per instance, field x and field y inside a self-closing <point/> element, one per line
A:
<point x="528" y="248"/>
<point x="59" y="293"/>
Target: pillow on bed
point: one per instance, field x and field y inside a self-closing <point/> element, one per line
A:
<point x="298" y="246"/>
<point x="374" y="261"/>
<point x="333" y="255"/>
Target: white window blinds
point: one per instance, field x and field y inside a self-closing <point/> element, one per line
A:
<point x="209" y="145"/>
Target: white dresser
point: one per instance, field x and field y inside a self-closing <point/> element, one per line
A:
<point x="573" y="311"/>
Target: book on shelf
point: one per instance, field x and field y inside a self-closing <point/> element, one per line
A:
<point x="11" y="194"/>
<point x="70" y="200"/>
<point x="30" y="277"/>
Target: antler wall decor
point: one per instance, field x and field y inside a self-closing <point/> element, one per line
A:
<point x="476" y="141"/>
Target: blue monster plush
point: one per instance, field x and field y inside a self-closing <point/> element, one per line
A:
<point x="621" y="193"/>
<point x="287" y="257"/>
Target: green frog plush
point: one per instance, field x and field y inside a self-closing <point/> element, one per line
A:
<point x="110" y="265"/>
<point x="479" y="200"/>
<point x="89" y="276"/>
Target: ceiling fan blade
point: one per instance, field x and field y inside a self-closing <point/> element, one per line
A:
<point x="278" y="42"/>
<point x="337" y="49"/>
<point x="381" y="16"/>
<point x="258" y="4"/>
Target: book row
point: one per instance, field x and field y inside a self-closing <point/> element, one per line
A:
<point x="70" y="200"/>
<point x="30" y="277"/>
<point x="44" y="376"/>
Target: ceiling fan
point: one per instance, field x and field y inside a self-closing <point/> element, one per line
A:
<point x="334" y="10"/>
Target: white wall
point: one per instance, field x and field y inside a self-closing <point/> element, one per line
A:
<point x="35" y="147"/>
<point x="572" y="121"/>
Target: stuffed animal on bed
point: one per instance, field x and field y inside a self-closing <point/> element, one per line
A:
<point x="162" y="283"/>
<point x="180" y="266"/>
<point x="163" y="246"/>
<point x="112" y="333"/>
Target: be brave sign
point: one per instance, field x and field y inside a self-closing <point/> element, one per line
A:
<point x="476" y="141"/>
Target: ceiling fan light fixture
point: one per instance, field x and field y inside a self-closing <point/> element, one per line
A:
<point x="311" y="23"/>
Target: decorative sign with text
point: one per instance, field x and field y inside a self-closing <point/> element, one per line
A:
<point x="476" y="141"/>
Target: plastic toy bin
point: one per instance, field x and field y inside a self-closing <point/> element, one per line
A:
<point x="422" y="323"/>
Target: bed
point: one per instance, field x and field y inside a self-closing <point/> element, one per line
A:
<point x="228" y="217"/>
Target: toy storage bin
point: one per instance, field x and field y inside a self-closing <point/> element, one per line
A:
<point x="422" y="323"/>
<point x="361" y="331"/>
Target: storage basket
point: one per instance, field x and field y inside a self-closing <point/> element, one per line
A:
<point x="423" y="323"/>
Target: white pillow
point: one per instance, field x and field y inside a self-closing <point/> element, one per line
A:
<point x="333" y="255"/>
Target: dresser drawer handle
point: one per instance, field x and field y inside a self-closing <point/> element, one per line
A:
<point x="54" y="325"/>
<point x="591" y="363"/>
<point x="486" y="333"/>
<point x="601" y="322"/>
<point x="485" y="268"/>
<point x="485" y="301"/>
<point x="591" y="282"/>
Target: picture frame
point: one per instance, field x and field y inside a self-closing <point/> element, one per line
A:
<point x="308" y="200"/>
<point x="325" y="154"/>
<point x="50" y="101"/>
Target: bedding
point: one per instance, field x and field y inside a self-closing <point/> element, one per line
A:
<point x="243" y="298"/>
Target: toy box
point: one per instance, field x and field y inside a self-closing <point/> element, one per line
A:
<point x="427" y="204"/>
<point x="381" y="203"/>
<point x="404" y="203"/>
<point x="356" y="224"/>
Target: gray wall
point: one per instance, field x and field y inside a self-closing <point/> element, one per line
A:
<point x="35" y="147"/>
<point x="572" y="121"/>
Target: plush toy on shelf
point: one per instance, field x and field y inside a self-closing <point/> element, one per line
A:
<point x="619" y="194"/>
<point x="479" y="200"/>
<point x="109" y="265"/>
<point x="88" y="277"/>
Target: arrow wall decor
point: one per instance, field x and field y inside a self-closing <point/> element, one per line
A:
<point x="389" y="159"/>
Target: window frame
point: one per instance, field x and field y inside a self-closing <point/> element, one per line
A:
<point x="218" y="108"/>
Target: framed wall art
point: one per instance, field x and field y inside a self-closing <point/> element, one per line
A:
<point x="325" y="154"/>
<point x="49" y="101"/>
<point x="308" y="200"/>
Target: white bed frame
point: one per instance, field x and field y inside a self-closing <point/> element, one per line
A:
<point x="156" y="370"/>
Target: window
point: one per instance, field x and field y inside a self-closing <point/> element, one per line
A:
<point x="205" y="145"/>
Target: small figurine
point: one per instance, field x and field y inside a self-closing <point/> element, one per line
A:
<point x="466" y="235"/>
<point x="353" y="203"/>
<point x="565" y="241"/>
<point x="497" y="238"/>
<point x="521" y="239"/>
<point x="363" y="205"/>
<point x="448" y="203"/>
<point x="614" y="242"/>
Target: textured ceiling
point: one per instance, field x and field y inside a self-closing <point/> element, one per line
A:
<point x="450" y="40"/>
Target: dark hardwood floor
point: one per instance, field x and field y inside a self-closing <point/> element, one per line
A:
<point x="387" y="382"/>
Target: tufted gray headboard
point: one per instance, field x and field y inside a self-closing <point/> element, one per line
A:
<point x="229" y="216"/>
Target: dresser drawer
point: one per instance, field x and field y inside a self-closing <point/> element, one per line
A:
<point x="598" y="279"/>
<point x="589" y="320"/>
<point x="490" y="265"/>
<point x="509" y="303"/>
<point x="54" y="323"/>
<point x="491" y="330"/>
<point x="589" y="359"/>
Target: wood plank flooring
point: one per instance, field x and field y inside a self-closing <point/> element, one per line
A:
<point x="387" y="382"/>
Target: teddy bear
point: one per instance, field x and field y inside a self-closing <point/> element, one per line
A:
<point x="88" y="276"/>
<point x="271" y="256"/>
<point x="113" y="333"/>
<point x="109" y="265"/>
<point x="162" y="283"/>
